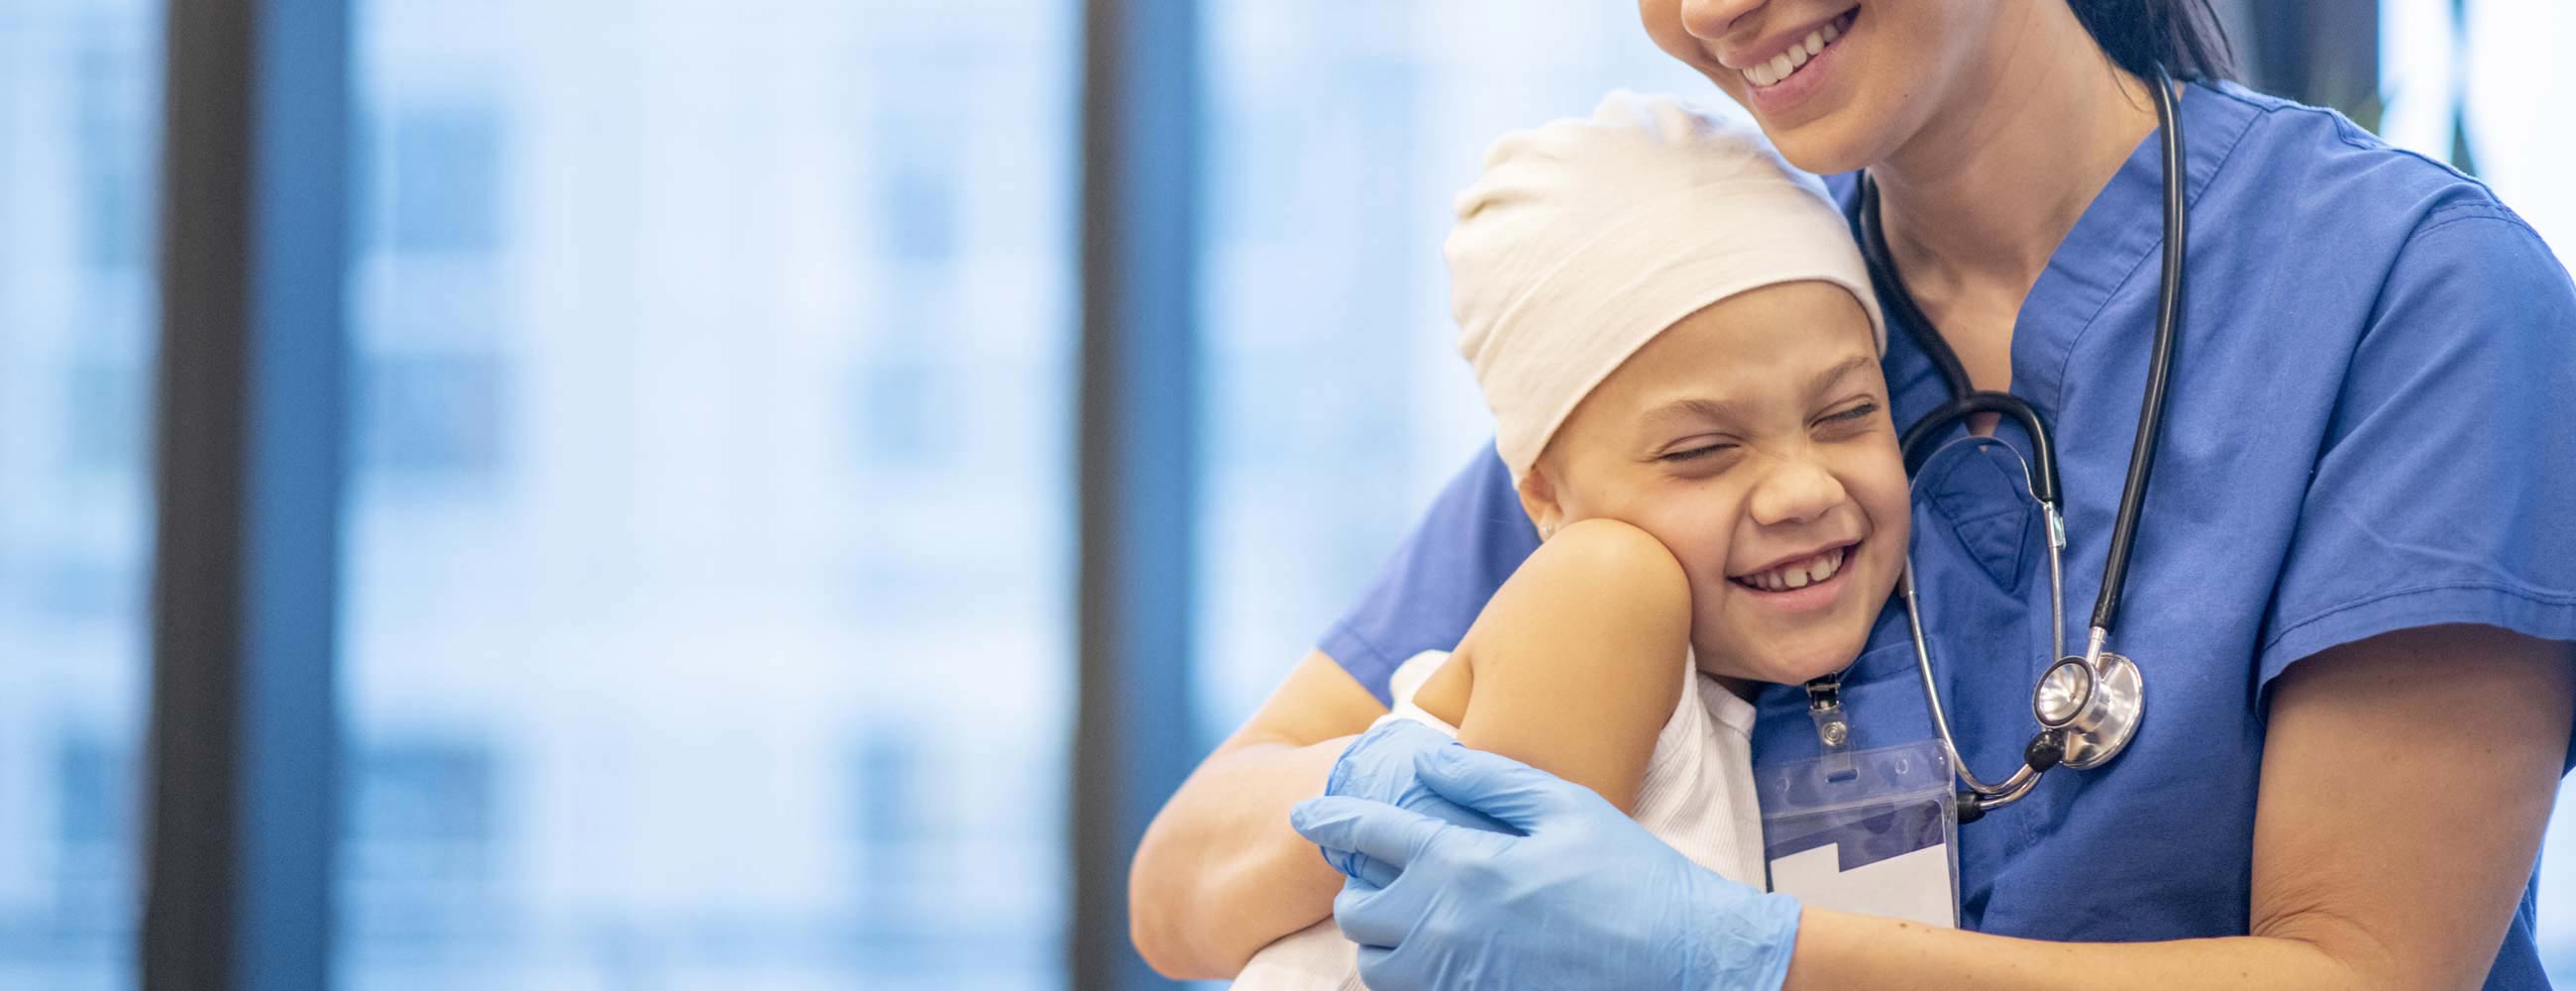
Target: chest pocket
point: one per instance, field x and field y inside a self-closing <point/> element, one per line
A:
<point x="1977" y="495"/>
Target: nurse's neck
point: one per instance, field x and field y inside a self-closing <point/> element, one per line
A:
<point x="1976" y="202"/>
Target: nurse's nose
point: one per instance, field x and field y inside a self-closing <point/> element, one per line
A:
<point x="1795" y="491"/>
<point x="1710" y="20"/>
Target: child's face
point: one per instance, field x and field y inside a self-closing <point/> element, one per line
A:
<point x="1753" y="440"/>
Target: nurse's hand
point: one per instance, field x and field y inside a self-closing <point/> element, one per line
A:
<point x="1576" y="895"/>
<point x="1379" y="767"/>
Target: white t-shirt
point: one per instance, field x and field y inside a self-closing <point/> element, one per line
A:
<point x="1697" y="796"/>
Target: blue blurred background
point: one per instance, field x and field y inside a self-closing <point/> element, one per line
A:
<point x="708" y="595"/>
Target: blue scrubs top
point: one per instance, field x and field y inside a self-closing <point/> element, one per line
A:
<point x="2371" y="427"/>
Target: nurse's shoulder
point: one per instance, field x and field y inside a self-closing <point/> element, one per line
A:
<point x="2441" y="332"/>
<point x="2342" y="194"/>
<point x="2346" y="252"/>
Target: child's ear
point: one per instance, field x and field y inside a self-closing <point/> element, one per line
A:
<point x="1538" y="499"/>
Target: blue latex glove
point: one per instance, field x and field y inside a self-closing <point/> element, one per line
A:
<point x="1379" y="766"/>
<point x="1576" y="895"/>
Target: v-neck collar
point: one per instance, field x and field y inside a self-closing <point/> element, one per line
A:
<point x="2114" y="238"/>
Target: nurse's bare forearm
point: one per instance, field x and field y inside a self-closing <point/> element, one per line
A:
<point x="1219" y="874"/>
<point x="2406" y="782"/>
<point x="1844" y="952"/>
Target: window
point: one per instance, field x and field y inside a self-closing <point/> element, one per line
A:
<point x="1335" y="403"/>
<point x="725" y="687"/>
<point x="421" y="842"/>
<point x="2480" y="84"/>
<point x="917" y="194"/>
<point x="78" y="134"/>
<point x="112" y="138"/>
<point x="441" y="190"/>
<point x="433" y="414"/>
<point x="105" y="425"/>
<point x="94" y="813"/>
<point x="898" y="407"/>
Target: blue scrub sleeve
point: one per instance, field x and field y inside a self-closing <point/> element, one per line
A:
<point x="1425" y="597"/>
<point x="2446" y="487"/>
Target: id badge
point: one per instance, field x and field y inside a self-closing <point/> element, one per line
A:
<point x="1873" y="832"/>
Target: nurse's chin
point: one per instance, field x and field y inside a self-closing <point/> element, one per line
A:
<point x="1829" y="144"/>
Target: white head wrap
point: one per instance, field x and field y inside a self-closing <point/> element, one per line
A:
<point x="1586" y="238"/>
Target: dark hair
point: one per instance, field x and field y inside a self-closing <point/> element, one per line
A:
<point x="2185" y="35"/>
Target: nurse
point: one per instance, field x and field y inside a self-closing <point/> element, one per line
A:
<point x="2352" y="595"/>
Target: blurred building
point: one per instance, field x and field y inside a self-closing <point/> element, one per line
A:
<point x="78" y="123"/>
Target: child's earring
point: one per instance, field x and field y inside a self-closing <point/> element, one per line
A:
<point x="1546" y="530"/>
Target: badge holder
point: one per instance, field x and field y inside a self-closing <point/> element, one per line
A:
<point x="1873" y="832"/>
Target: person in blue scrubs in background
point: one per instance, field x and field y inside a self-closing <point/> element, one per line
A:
<point x="2352" y="597"/>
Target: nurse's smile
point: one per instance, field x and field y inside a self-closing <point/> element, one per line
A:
<point x="1783" y="70"/>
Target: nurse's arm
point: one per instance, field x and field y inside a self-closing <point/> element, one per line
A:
<point x="2406" y="782"/>
<point x="1219" y="874"/>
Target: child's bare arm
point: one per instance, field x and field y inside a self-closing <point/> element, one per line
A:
<point x="1576" y="664"/>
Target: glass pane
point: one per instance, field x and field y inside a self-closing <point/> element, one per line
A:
<point x="708" y="606"/>
<point x="1337" y="404"/>
<point x="2485" y="88"/>
<point x="2482" y="84"/>
<point x="79" y="129"/>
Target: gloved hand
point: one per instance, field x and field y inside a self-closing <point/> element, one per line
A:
<point x="1577" y="895"/>
<point x="1379" y="766"/>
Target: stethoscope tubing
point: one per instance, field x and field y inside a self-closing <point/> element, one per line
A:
<point x="2151" y="408"/>
<point x="2047" y="747"/>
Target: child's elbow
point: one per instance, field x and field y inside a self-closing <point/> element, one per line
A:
<point x="1620" y="562"/>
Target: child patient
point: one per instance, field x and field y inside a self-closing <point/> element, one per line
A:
<point x="1677" y="339"/>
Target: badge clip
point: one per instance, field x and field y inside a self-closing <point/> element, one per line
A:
<point x="1825" y="709"/>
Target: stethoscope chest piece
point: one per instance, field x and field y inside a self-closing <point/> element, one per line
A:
<point x="2094" y="708"/>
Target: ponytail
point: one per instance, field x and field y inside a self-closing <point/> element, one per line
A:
<point x="2183" y="35"/>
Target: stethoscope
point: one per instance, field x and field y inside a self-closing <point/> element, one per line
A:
<point x="2088" y="706"/>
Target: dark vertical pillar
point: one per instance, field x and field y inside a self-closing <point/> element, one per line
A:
<point x="2324" y="52"/>
<point x="248" y="477"/>
<point x="1138" y="453"/>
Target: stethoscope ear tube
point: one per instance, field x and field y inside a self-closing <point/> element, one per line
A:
<point x="2151" y="409"/>
<point x="2043" y="483"/>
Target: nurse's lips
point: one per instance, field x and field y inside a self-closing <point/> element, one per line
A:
<point x="1784" y="70"/>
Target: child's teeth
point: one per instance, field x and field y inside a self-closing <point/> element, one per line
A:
<point x="1799" y="574"/>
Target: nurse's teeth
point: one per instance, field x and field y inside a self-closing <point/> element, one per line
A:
<point x="1787" y="63"/>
